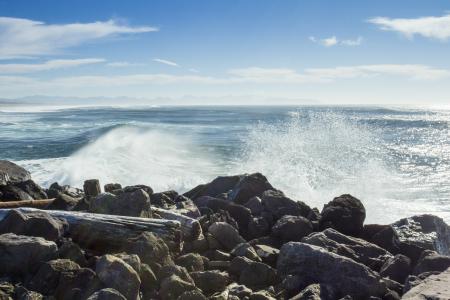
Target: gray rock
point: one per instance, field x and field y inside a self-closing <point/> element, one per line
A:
<point x="357" y="249"/>
<point x="397" y="268"/>
<point x="269" y="255"/>
<point x="255" y="205"/>
<point x="425" y="231"/>
<point x="179" y="271"/>
<point x="314" y="264"/>
<point x="72" y="251"/>
<point x="135" y="204"/>
<point x="173" y="286"/>
<point x="77" y="284"/>
<point x="239" y="290"/>
<point x="63" y="202"/>
<point x="150" y="249"/>
<point x="39" y="224"/>
<point x="315" y="292"/>
<point x="345" y="213"/>
<point x="115" y="273"/>
<point x="278" y="205"/>
<point x="91" y="188"/>
<point x="258" y="227"/>
<point x="225" y="234"/>
<point x="192" y="295"/>
<point x="238" y="264"/>
<point x="107" y="294"/>
<point x="258" y="275"/>
<point x="191" y="261"/>
<point x="210" y="281"/>
<point x="149" y="282"/>
<point x="12" y="173"/>
<point x="431" y="261"/>
<point x="292" y="228"/>
<point x="132" y="259"/>
<point x="111" y="187"/>
<point x="20" y="255"/>
<point x="434" y="287"/>
<point x="245" y="249"/>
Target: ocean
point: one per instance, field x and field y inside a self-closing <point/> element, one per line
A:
<point x="396" y="160"/>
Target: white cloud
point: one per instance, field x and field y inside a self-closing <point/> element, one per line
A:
<point x="48" y="65"/>
<point x="25" y="38"/>
<point x="193" y="70"/>
<point x="430" y="27"/>
<point x="333" y="41"/>
<point x="121" y="64"/>
<point x="166" y="62"/>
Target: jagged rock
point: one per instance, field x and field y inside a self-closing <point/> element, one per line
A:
<point x="55" y="189"/>
<point x="192" y="295"/>
<point x="191" y="261"/>
<point x="258" y="275"/>
<point x="21" y="293"/>
<point x="292" y="228"/>
<point x="269" y="255"/>
<point x="20" y="255"/>
<point x="225" y="234"/>
<point x="255" y="205"/>
<point x="149" y="248"/>
<point x="314" y="264"/>
<point x="357" y="249"/>
<point x="32" y="189"/>
<point x="72" y="251"/>
<point x="245" y="249"/>
<point x="179" y="271"/>
<point x="13" y="193"/>
<point x="345" y="213"/>
<point x="46" y="280"/>
<point x="238" y="264"/>
<point x="111" y="187"/>
<point x="149" y="282"/>
<point x="173" y="286"/>
<point x="383" y="236"/>
<point x="210" y="281"/>
<point x="39" y="224"/>
<point x="135" y="204"/>
<point x="315" y="292"/>
<point x="117" y="274"/>
<point x="91" y="188"/>
<point x="431" y="261"/>
<point x="12" y="173"/>
<point x="434" y="287"/>
<point x="258" y="227"/>
<point x="239" y="290"/>
<point x="261" y="295"/>
<point x="107" y="294"/>
<point x="240" y="213"/>
<point x="396" y="268"/>
<point x="221" y="265"/>
<point x="63" y="202"/>
<point x="425" y="231"/>
<point x="77" y="284"/>
<point x="278" y="205"/>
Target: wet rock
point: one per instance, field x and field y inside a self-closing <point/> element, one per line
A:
<point x="292" y="228"/>
<point x="107" y="294"/>
<point x="173" y="286"/>
<point x="135" y="204"/>
<point x="396" y="268"/>
<point x="249" y="186"/>
<point x="91" y="188"/>
<point x="345" y="214"/>
<point x="315" y="292"/>
<point x="278" y="205"/>
<point x="383" y="236"/>
<point x="246" y="250"/>
<point x="225" y="234"/>
<point x="192" y="295"/>
<point x="39" y="224"/>
<point x="13" y="193"/>
<point x="63" y="202"/>
<point x="115" y="273"/>
<point x="12" y="173"/>
<point x="424" y="231"/>
<point x="20" y="255"/>
<point x="255" y="205"/>
<point x="191" y="261"/>
<point x="258" y="227"/>
<point x="357" y="249"/>
<point x="434" y="287"/>
<point x="210" y="281"/>
<point x="314" y="264"/>
<point x="46" y="280"/>
<point x="55" y="189"/>
<point x="258" y="275"/>
<point x="162" y="200"/>
<point x="221" y="184"/>
<point x="431" y="261"/>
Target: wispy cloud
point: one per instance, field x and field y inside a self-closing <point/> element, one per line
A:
<point x="333" y="41"/>
<point x="25" y="38"/>
<point x="429" y="27"/>
<point x="123" y="64"/>
<point x="48" y="65"/>
<point x="193" y="70"/>
<point x="166" y="62"/>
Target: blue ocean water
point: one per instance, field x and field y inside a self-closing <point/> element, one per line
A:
<point x="397" y="161"/>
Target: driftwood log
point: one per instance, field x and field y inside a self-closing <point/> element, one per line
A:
<point x="101" y="232"/>
<point x="26" y="203"/>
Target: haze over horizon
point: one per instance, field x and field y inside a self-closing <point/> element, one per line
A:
<point x="227" y="52"/>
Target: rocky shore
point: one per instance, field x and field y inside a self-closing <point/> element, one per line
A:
<point x="236" y="237"/>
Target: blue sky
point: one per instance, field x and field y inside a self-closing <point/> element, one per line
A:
<point x="358" y="52"/>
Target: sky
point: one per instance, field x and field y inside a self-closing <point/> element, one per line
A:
<point x="228" y="51"/>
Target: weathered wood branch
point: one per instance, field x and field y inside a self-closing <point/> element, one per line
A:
<point x="192" y="229"/>
<point x="26" y="203"/>
<point x="101" y="232"/>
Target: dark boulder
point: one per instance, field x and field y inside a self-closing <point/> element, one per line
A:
<point x="424" y="231"/>
<point x="32" y="189"/>
<point x="191" y="261"/>
<point x="222" y="184"/>
<point x="292" y="228"/>
<point x="171" y="269"/>
<point x="149" y="282"/>
<point x="107" y="294"/>
<point x="150" y="249"/>
<point x="111" y="187"/>
<point x="12" y="173"/>
<point x="278" y="205"/>
<point x="71" y="250"/>
<point x="226" y="235"/>
<point x="258" y="227"/>
<point x="246" y="250"/>
<point x="431" y="261"/>
<point x="357" y="249"/>
<point x="55" y="189"/>
<point x="20" y="255"/>
<point x="37" y="223"/>
<point x="210" y="281"/>
<point x="91" y="188"/>
<point x="397" y="268"/>
<point x="383" y="236"/>
<point x="345" y="213"/>
<point x="63" y="202"/>
<point x="13" y="193"/>
<point x="257" y="275"/>
<point x="314" y="264"/>
<point x="255" y="205"/>
<point x="173" y="286"/>
<point x="315" y="291"/>
<point x="268" y="255"/>
<point x="192" y="295"/>
<point x="135" y="204"/>
<point x="77" y="284"/>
